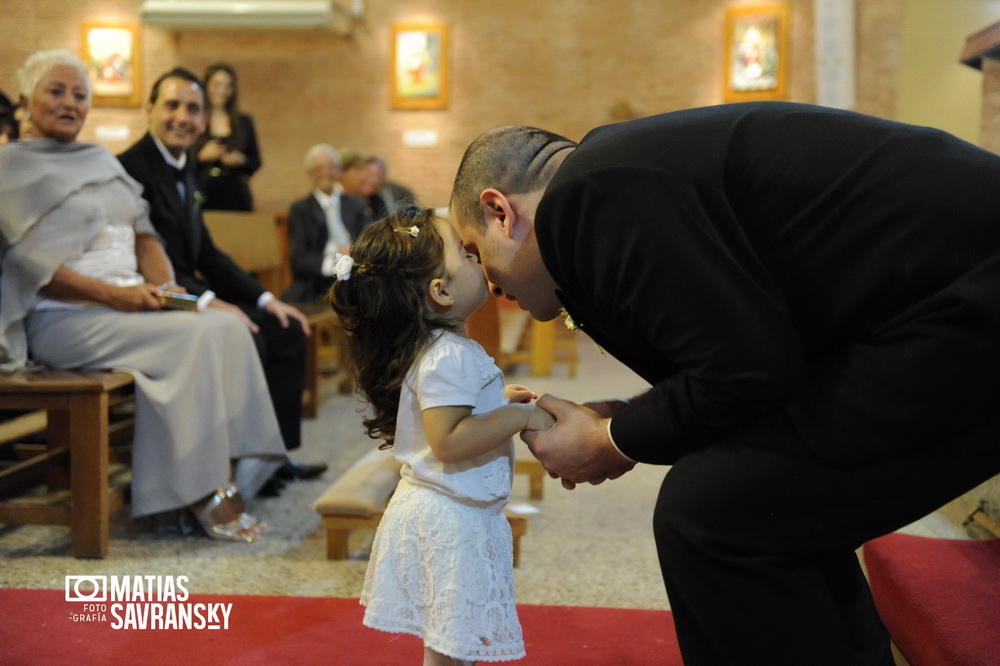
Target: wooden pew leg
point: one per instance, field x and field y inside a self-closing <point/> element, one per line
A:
<point x="518" y="528"/>
<point x="90" y="520"/>
<point x="336" y="544"/>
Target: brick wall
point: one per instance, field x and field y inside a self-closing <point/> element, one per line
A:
<point x="565" y="65"/>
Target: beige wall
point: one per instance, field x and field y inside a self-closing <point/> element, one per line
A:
<point x="561" y="64"/>
<point x="936" y="89"/>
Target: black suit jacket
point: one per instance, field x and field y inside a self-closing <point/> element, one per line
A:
<point x="308" y="236"/>
<point x="754" y="259"/>
<point x="188" y="243"/>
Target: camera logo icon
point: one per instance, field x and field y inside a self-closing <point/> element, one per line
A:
<point x="86" y="588"/>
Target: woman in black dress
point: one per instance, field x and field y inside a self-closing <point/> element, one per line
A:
<point x="227" y="153"/>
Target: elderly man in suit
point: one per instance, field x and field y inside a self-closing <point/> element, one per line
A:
<point x="176" y="116"/>
<point x="320" y="225"/>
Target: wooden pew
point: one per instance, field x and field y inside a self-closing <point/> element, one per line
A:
<point x="258" y="243"/>
<point x="76" y="419"/>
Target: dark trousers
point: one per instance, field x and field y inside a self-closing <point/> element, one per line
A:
<point x="283" y="355"/>
<point x="757" y="536"/>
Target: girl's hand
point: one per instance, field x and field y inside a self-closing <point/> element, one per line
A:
<point x="519" y="393"/>
<point x="539" y="419"/>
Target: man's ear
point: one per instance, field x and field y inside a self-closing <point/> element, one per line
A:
<point x="437" y="293"/>
<point x="498" y="209"/>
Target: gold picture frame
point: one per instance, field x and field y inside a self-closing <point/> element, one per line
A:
<point x="111" y="53"/>
<point x="756" y="66"/>
<point x="420" y="67"/>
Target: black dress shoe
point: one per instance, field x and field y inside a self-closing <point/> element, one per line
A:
<point x="296" y="471"/>
<point x="272" y="487"/>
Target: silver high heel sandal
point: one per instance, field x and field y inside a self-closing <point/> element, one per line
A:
<point x="224" y="504"/>
<point x="249" y="521"/>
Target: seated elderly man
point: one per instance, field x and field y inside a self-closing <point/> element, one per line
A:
<point x="320" y="225"/>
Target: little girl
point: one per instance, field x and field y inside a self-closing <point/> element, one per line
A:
<point x="442" y="562"/>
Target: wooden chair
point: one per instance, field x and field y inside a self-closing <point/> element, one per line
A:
<point x="73" y="409"/>
<point x="258" y="243"/>
<point x="512" y="337"/>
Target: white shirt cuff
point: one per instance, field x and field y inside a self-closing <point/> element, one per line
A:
<point x="329" y="261"/>
<point x="612" y="439"/>
<point x="264" y="299"/>
<point x="205" y="298"/>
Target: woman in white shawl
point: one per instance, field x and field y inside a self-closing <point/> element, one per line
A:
<point x="81" y="277"/>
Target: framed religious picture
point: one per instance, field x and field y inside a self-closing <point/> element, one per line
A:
<point x="419" y="77"/>
<point x="111" y="53"/>
<point x="756" y="47"/>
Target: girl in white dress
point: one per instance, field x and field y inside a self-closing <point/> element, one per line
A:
<point x="442" y="562"/>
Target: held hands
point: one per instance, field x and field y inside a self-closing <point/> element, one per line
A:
<point x="217" y="151"/>
<point x="212" y="151"/>
<point x="538" y="419"/>
<point x="233" y="158"/>
<point x="577" y="449"/>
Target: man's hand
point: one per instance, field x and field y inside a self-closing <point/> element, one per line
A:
<point x="577" y="448"/>
<point x="220" y="304"/>
<point x="283" y="311"/>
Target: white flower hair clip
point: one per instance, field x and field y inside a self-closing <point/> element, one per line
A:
<point x="413" y="231"/>
<point x="342" y="269"/>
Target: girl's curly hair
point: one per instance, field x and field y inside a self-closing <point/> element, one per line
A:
<point x="383" y="308"/>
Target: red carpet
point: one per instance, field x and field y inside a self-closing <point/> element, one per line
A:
<point x="939" y="598"/>
<point x="37" y="628"/>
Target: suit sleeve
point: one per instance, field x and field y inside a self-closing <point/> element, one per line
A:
<point x="304" y="248"/>
<point x="679" y="285"/>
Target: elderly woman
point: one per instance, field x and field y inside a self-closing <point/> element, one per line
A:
<point x="82" y="275"/>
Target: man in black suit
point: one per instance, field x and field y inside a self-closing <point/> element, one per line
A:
<point x="159" y="161"/>
<point x="814" y="297"/>
<point x="321" y="225"/>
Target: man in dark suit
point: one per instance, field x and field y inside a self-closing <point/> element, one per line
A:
<point x="393" y="194"/>
<point x="814" y="297"/>
<point x="321" y="225"/>
<point x="159" y="161"/>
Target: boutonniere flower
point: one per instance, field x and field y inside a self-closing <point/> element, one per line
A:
<point x="199" y="199"/>
<point x="575" y="327"/>
<point x="342" y="269"/>
<point x="570" y="324"/>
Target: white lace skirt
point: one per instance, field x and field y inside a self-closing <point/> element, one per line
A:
<point x="443" y="570"/>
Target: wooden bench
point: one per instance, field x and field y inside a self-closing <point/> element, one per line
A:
<point x="78" y="431"/>
<point x="258" y="243"/>
<point x="358" y="499"/>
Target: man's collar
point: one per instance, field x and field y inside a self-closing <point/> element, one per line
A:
<point x="167" y="157"/>
<point x="325" y="198"/>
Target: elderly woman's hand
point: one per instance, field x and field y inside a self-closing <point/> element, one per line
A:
<point x="134" y="299"/>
